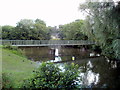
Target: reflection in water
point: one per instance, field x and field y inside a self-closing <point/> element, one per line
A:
<point x="95" y="72"/>
<point x="56" y="52"/>
<point x="48" y="53"/>
<point x="100" y="73"/>
<point x="57" y="57"/>
<point x="39" y="53"/>
<point x="89" y="77"/>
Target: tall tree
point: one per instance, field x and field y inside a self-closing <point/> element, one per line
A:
<point x="7" y="31"/>
<point x="28" y="29"/>
<point x="101" y="25"/>
<point x="24" y="29"/>
<point x="72" y="31"/>
<point x="40" y="29"/>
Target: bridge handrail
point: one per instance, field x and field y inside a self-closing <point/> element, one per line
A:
<point x="50" y="42"/>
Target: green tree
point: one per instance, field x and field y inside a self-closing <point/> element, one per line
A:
<point x="7" y="32"/>
<point x="26" y="29"/>
<point x="101" y="25"/>
<point x="41" y="30"/>
<point x="72" y="31"/>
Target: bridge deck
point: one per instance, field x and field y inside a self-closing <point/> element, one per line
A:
<point x="45" y="42"/>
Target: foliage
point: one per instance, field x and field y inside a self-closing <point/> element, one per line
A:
<point x="10" y="47"/>
<point x="72" y="31"/>
<point x="14" y="49"/>
<point x="96" y="48"/>
<point x="102" y="25"/>
<point x="7" y="32"/>
<point x="54" y="32"/>
<point x="26" y="29"/>
<point x="50" y="76"/>
<point x="116" y="48"/>
<point x="7" y="81"/>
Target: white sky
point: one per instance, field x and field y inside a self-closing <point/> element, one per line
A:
<point x="53" y="12"/>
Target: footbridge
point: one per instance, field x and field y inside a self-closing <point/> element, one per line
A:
<point x="45" y="42"/>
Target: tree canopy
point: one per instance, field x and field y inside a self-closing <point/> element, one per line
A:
<point x="26" y="29"/>
<point x="72" y="31"/>
<point x="103" y="25"/>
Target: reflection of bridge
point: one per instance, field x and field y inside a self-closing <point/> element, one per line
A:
<point x="45" y="42"/>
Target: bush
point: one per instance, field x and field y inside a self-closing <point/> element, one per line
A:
<point x="6" y="81"/>
<point x="10" y="47"/>
<point x="50" y="76"/>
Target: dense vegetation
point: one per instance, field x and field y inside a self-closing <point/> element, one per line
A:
<point x="50" y="76"/>
<point x="72" y="31"/>
<point x="26" y="29"/>
<point x="103" y="26"/>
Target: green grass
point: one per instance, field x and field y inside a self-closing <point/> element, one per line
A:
<point x="18" y="67"/>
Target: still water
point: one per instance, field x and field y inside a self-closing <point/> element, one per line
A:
<point x="95" y="71"/>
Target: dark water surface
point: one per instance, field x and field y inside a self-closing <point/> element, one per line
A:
<point x="95" y="72"/>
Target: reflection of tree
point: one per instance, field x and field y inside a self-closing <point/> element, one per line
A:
<point x="38" y="53"/>
<point x="66" y="53"/>
<point x="109" y="75"/>
<point x="88" y="76"/>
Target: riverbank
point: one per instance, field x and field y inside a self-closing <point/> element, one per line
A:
<point x="18" y="66"/>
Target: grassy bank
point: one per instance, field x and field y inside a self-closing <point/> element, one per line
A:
<point x="17" y="66"/>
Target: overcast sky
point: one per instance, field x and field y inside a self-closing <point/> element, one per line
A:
<point x="53" y="12"/>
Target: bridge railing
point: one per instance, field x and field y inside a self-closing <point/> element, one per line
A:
<point x="46" y="42"/>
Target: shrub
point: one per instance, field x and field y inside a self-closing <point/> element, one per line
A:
<point x="6" y="81"/>
<point x="50" y="76"/>
<point x="10" y="47"/>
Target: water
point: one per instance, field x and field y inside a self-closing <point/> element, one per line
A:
<point x="48" y="53"/>
<point x="95" y="72"/>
